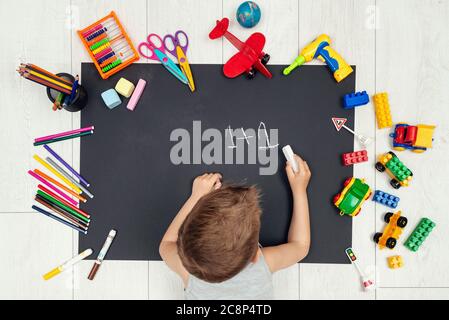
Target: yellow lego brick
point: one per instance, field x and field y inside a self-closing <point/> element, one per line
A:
<point x="383" y="112"/>
<point x="395" y="262"/>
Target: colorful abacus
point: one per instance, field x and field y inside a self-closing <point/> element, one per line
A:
<point x="108" y="45"/>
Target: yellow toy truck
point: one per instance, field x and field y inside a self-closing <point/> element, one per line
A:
<point x="416" y="138"/>
<point x="392" y="232"/>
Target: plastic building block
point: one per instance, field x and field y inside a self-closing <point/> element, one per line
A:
<point x="386" y="199"/>
<point x="400" y="174"/>
<point x="352" y="100"/>
<point x="383" y="111"/>
<point x="352" y="197"/>
<point x="355" y="157"/>
<point x="395" y="262"/>
<point x="111" y="99"/>
<point x="420" y="234"/>
<point x="390" y="236"/>
<point x="125" y="87"/>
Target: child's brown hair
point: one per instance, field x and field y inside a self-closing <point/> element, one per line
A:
<point x="220" y="236"/>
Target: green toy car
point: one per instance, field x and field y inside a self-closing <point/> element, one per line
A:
<point x="354" y="194"/>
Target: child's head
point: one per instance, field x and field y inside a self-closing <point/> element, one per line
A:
<point x="220" y="237"/>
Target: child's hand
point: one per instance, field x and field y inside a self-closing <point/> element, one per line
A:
<point x="299" y="181"/>
<point x="205" y="184"/>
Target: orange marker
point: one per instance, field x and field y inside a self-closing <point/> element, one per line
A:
<point x="43" y="175"/>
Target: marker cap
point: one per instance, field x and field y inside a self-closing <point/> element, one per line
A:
<point x="51" y="274"/>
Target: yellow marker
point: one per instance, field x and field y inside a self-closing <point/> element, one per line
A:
<point x="56" y="173"/>
<point x="68" y="264"/>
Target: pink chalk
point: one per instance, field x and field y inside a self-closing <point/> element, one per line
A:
<point x="136" y="95"/>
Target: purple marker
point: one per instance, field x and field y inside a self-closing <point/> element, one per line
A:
<point x="65" y="164"/>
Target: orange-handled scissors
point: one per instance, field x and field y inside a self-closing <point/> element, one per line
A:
<point x="178" y="45"/>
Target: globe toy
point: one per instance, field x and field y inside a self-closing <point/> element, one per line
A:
<point x="248" y="14"/>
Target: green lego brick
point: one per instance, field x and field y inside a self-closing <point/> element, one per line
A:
<point x="398" y="169"/>
<point x="420" y="234"/>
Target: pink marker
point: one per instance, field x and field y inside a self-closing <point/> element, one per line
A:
<point x="63" y="134"/>
<point x="62" y="194"/>
<point x="136" y="95"/>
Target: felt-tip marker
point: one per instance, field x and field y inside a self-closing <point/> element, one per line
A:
<point x="68" y="264"/>
<point x="102" y="255"/>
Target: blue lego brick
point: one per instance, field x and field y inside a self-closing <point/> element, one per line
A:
<point x="352" y="100"/>
<point x="386" y="199"/>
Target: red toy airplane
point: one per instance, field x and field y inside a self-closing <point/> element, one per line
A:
<point x="250" y="56"/>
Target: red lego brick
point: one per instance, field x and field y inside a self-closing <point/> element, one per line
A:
<point x="352" y="158"/>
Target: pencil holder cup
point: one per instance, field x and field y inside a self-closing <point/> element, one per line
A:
<point x="80" y="100"/>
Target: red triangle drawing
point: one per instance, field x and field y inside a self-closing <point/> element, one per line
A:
<point x="339" y="123"/>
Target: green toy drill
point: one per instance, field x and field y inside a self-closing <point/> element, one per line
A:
<point x="320" y="49"/>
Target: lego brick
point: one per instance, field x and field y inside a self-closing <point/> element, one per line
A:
<point x="111" y="98"/>
<point x="395" y="262"/>
<point x="352" y="100"/>
<point x="398" y="169"/>
<point x="125" y="87"/>
<point x="383" y="112"/>
<point x="355" y="157"/>
<point x="420" y="234"/>
<point x="386" y="199"/>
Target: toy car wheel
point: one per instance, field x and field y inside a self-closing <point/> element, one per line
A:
<point x="419" y="151"/>
<point x="266" y="58"/>
<point x="368" y="196"/>
<point x="337" y="197"/>
<point x="395" y="184"/>
<point x="391" y="243"/>
<point x="348" y="181"/>
<point x="399" y="149"/>
<point x="388" y="217"/>
<point x="377" y="237"/>
<point x="251" y="74"/>
<point x="380" y="167"/>
<point x="402" y="222"/>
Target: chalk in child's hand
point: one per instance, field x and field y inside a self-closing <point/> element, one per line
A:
<point x="290" y="156"/>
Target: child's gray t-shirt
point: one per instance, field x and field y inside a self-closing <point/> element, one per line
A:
<point x="255" y="282"/>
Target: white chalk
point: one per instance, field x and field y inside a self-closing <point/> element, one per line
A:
<point x="290" y="156"/>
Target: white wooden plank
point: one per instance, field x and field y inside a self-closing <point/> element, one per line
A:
<point x="279" y="24"/>
<point x="417" y="85"/>
<point x="286" y="284"/>
<point x="116" y="280"/>
<point x="25" y="109"/>
<point x="196" y="18"/>
<point x="164" y="283"/>
<point x="413" y="294"/>
<point x="32" y="245"/>
<point x="119" y="280"/>
<point x="348" y="23"/>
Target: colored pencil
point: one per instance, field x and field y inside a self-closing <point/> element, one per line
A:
<point x="48" y="79"/>
<point x="61" y="205"/>
<point x="55" y="196"/>
<point x="79" y="135"/>
<point x="45" y="83"/>
<point x="74" y="89"/>
<point x="49" y="74"/>
<point x="69" y="177"/>
<point x="48" y="214"/>
<point x="56" y="173"/>
<point x="48" y="184"/>
<point x="63" y="134"/>
<point x="65" y="164"/>
<point x="59" y="211"/>
<point x="60" y="185"/>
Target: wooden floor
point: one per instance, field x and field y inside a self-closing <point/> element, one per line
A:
<point x="398" y="46"/>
